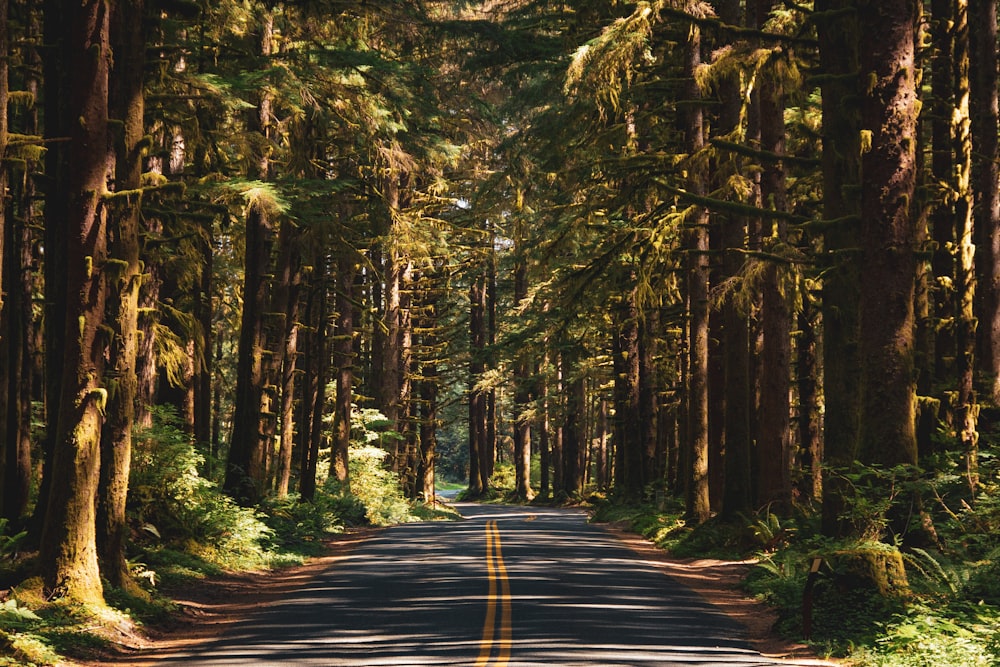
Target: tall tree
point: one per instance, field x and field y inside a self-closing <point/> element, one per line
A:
<point x="774" y="439"/>
<point x="123" y="278"/>
<point x="889" y="110"/>
<point x="839" y="60"/>
<point x="245" y="465"/>
<point x="68" y="552"/>
<point x="986" y="185"/>
<point x="698" y="506"/>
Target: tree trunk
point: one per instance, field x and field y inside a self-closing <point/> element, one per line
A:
<point x="122" y="283"/>
<point x="839" y="55"/>
<point x="967" y="410"/>
<point x="810" y="441"/>
<point x="943" y="214"/>
<point x="343" y="360"/>
<point x="774" y="488"/>
<point x="17" y="313"/>
<point x="522" y="390"/>
<point x="290" y="285"/>
<point x="309" y="388"/>
<point x="574" y="438"/>
<point x="245" y="463"/>
<point x="628" y="426"/>
<point x="544" y="449"/>
<point x="478" y="474"/>
<point x="652" y="467"/>
<point x="986" y="185"/>
<point x="889" y="114"/>
<point x="246" y="469"/>
<point x="68" y="553"/>
<point x="698" y="507"/>
<point x="57" y="73"/>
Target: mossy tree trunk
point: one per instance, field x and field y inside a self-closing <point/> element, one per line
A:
<point x="343" y="361"/>
<point x="986" y="186"/>
<point x="735" y="346"/>
<point x="838" y="37"/>
<point x="127" y="105"/>
<point x="16" y="316"/>
<point x="967" y="408"/>
<point x="627" y="426"/>
<point x="774" y="445"/>
<point x="246" y="463"/>
<point x="698" y="507"/>
<point x="68" y="552"/>
<point x="889" y="110"/>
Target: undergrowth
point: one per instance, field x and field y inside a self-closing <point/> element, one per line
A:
<point x="185" y="529"/>
<point x="945" y="611"/>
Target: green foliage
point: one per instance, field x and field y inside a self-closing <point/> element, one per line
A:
<point x="10" y="544"/>
<point x="171" y="500"/>
<point x="376" y="487"/>
<point x="503" y="478"/>
<point x="299" y="526"/>
<point x="874" y="492"/>
<point x="28" y="649"/>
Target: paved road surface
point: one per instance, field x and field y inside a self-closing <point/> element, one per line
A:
<point x="510" y="587"/>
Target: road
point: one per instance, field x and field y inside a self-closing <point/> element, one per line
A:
<point x="506" y="587"/>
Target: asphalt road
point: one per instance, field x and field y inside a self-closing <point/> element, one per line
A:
<point x="505" y="587"/>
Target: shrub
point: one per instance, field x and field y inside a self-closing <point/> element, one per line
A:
<point x="168" y="498"/>
<point x="376" y="487"/>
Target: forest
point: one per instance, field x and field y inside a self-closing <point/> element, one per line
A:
<point x="729" y="269"/>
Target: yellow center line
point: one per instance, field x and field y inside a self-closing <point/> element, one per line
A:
<point x="497" y="573"/>
<point x="505" y="639"/>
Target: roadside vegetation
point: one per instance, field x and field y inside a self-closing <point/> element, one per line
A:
<point x="184" y="529"/>
<point x="875" y="601"/>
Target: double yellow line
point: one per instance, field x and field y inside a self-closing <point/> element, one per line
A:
<point x="498" y="579"/>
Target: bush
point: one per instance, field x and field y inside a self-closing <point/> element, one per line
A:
<point x="168" y="499"/>
<point x="375" y="487"/>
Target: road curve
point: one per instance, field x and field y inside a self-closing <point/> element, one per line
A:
<point x="506" y="587"/>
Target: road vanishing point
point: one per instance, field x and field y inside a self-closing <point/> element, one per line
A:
<point x="505" y="587"/>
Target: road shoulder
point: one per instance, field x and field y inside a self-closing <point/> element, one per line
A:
<point x="719" y="583"/>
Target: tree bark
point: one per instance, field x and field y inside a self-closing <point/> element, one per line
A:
<point x="343" y="360"/>
<point x="522" y="389"/>
<point x="122" y="283"/>
<point x="290" y="286"/>
<point x="967" y="412"/>
<point x="986" y="186"/>
<point x="889" y="114"/>
<point x="68" y="553"/>
<point x="627" y="425"/>
<point x="774" y="488"/>
<point x="478" y="473"/>
<point x="246" y="469"/>
<point x="839" y="60"/>
<point x="698" y="507"/>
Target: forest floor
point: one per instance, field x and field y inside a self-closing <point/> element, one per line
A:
<point x="213" y="605"/>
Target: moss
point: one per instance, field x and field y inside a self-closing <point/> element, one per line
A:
<point x="874" y="568"/>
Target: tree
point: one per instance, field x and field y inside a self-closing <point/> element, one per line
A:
<point x="698" y="506"/>
<point x="839" y="59"/>
<point x="68" y="554"/>
<point x="246" y="464"/>
<point x="888" y="123"/>
<point x="124" y="274"/>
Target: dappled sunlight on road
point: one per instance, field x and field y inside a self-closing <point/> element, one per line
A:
<point x="417" y="595"/>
